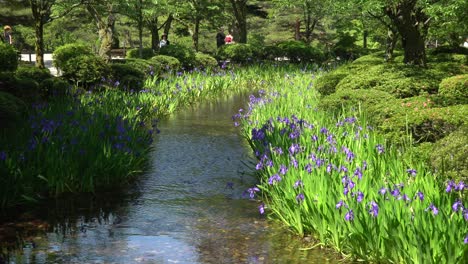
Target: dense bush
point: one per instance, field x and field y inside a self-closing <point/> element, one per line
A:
<point x="8" y="58"/>
<point x="450" y="154"/>
<point x="299" y="51"/>
<point x="69" y="51"/>
<point x="269" y="52"/>
<point x="142" y="65"/>
<point x="326" y="83"/>
<point x="425" y="123"/>
<point x="185" y="55"/>
<point x="165" y="63"/>
<point x="204" y="61"/>
<point x="31" y="72"/>
<point x="11" y="108"/>
<point x="54" y="87"/>
<point x="27" y="90"/>
<point x="400" y="80"/>
<point x="7" y="81"/>
<point x="128" y="76"/>
<point x="135" y="53"/>
<point x="455" y="89"/>
<point x="237" y="52"/>
<point x="85" y="69"/>
<point x="353" y="98"/>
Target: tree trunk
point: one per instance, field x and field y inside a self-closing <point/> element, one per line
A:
<point x="364" y="38"/>
<point x="406" y="17"/>
<point x="240" y="11"/>
<point x="297" y="29"/>
<point x="140" y="28"/>
<point x="152" y="24"/>
<point x="391" y="43"/>
<point x="196" y="33"/>
<point x="105" y="29"/>
<point x="167" y="25"/>
<point x="39" y="43"/>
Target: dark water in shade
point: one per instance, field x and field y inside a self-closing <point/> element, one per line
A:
<point x="181" y="211"/>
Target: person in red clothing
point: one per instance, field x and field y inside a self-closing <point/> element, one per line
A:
<point x="229" y="39"/>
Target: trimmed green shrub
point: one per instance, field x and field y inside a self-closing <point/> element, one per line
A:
<point x="270" y="52"/>
<point x="7" y="81"/>
<point x="144" y="66"/>
<point x="353" y="98"/>
<point x="400" y="80"/>
<point x="237" y="52"/>
<point x="299" y="51"/>
<point x="425" y="123"/>
<point x="455" y="89"/>
<point x="85" y="69"/>
<point x="165" y="63"/>
<point x="54" y="87"/>
<point x="8" y="58"/>
<point x="27" y="90"/>
<point x="185" y="55"/>
<point x="69" y="51"/>
<point x="11" y="107"/>
<point x="450" y="155"/>
<point x="135" y="53"/>
<point x="326" y="84"/>
<point x="31" y="72"/>
<point x="129" y="77"/>
<point x="204" y="61"/>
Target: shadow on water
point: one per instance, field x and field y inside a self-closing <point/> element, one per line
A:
<point x="189" y="208"/>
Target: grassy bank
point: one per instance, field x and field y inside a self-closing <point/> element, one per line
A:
<point x="337" y="179"/>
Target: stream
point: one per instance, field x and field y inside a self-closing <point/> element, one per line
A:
<point x="190" y="207"/>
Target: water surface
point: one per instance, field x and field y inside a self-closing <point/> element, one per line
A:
<point x="189" y="208"/>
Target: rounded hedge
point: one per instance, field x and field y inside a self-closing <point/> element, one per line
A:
<point x="449" y="156"/>
<point x="129" y="77"/>
<point x="11" y="107"/>
<point x="204" y="61"/>
<point x="31" y="72"/>
<point x="135" y="53"/>
<point x="326" y="84"/>
<point x="353" y="98"/>
<point x="69" y="51"/>
<point x="54" y="87"/>
<point x="165" y="63"/>
<point x="299" y="51"/>
<point x="455" y="89"/>
<point x="185" y="55"/>
<point x="8" y="58"/>
<point x="85" y="69"/>
<point x="237" y="52"/>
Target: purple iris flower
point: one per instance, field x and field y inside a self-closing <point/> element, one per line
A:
<point x="340" y="204"/>
<point x="329" y="167"/>
<point x="300" y="198"/>
<point x="374" y="210"/>
<point x="295" y="148"/>
<point x="434" y="209"/>
<point x="278" y="150"/>
<point x="349" y="216"/>
<point x="324" y="130"/>
<point x="345" y="190"/>
<point x="283" y="169"/>
<point x="360" y="196"/>
<point x="273" y="179"/>
<point x="259" y="165"/>
<point x="450" y="186"/>
<point x="358" y="173"/>
<point x="3" y="155"/>
<point x="294" y="162"/>
<point x="252" y="192"/>
<point x="261" y="208"/>
<point x="380" y="148"/>
<point x="420" y="195"/>
<point x="460" y="186"/>
<point x="308" y="167"/>
<point x="466" y="239"/>
<point x="411" y="172"/>
<point x="457" y="206"/>
<point x="314" y="138"/>
<point x="465" y="214"/>
<point x="395" y="192"/>
<point x="298" y="184"/>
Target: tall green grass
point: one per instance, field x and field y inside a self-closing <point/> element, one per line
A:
<point x="334" y="177"/>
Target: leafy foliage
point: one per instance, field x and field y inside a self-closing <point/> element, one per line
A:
<point x="8" y="57"/>
<point x="185" y="55"/>
<point x="455" y="89"/>
<point x="135" y="53"/>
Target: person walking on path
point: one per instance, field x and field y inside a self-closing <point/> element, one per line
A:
<point x="7" y="35"/>
<point x="220" y="38"/>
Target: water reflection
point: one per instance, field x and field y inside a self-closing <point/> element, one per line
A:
<point x="188" y="209"/>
